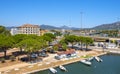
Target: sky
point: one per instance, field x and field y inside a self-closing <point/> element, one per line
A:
<point x="59" y="12"/>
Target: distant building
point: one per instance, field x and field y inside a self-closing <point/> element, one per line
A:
<point x="14" y="31"/>
<point x="42" y="32"/>
<point x="26" y="29"/>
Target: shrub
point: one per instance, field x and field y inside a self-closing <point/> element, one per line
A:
<point x="2" y="60"/>
<point x="12" y="58"/>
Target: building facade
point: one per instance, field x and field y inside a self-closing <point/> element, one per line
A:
<point x="28" y="29"/>
<point x="14" y="31"/>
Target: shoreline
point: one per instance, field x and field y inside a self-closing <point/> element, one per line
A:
<point x="47" y="63"/>
<point x="66" y="63"/>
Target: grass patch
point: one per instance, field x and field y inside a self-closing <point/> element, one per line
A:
<point x="86" y="56"/>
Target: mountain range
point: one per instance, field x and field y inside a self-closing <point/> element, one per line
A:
<point x="110" y="26"/>
<point x="53" y="27"/>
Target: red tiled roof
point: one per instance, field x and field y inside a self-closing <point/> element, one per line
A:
<point x="70" y="51"/>
<point x="29" y="25"/>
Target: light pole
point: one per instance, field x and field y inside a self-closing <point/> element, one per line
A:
<point x="81" y="13"/>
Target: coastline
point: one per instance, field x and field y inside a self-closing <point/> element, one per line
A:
<point x="66" y="63"/>
<point x="51" y="62"/>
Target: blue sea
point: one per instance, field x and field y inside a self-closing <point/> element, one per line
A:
<point x="110" y="65"/>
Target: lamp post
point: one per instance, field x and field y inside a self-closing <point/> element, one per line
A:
<point x="81" y="13"/>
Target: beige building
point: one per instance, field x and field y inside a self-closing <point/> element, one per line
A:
<point x="28" y="29"/>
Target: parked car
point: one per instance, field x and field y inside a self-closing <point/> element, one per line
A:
<point x="57" y="57"/>
<point x="42" y="54"/>
<point x="33" y="55"/>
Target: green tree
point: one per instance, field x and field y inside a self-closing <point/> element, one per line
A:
<point x="64" y="46"/>
<point x="81" y="40"/>
<point x="49" y="37"/>
<point x="71" y="39"/>
<point x="87" y="41"/>
<point x="55" y="47"/>
<point x="4" y="31"/>
<point x="30" y="45"/>
<point x="6" y="42"/>
<point x="46" y="38"/>
<point x="18" y="38"/>
<point x="52" y="36"/>
<point x="43" y="41"/>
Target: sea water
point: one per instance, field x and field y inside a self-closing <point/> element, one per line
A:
<point x="110" y="65"/>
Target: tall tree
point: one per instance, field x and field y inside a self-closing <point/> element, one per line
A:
<point x="87" y="41"/>
<point x="52" y="36"/>
<point x="18" y="38"/>
<point x="49" y="37"/>
<point x="71" y="39"/>
<point x="6" y="42"/>
<point x="81" y="40"/>
<point x="30" y="45"/>
<point x="4" y="31"/>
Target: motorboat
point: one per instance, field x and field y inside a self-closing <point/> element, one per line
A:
<point x="53" y="70"/>
<point x="86" y="62"/>
<point x="62" y="68"/>
<point x="90" y="59"/>
<point x="98" y="59"/>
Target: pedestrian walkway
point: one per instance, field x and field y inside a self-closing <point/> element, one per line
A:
<point x="13" y="66"/>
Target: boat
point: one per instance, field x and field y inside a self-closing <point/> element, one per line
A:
<point x="86" y="62"/>
<point x="98" y="59"/>
<point x="53" y="70"/>
<point x="62" y="68"/>
<point x="90" y="59"/>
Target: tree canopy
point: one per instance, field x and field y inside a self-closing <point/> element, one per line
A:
<point x="6" y="42"/>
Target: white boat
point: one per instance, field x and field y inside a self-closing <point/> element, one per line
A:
<point x="98" y="59"/>
<point x="86" y="62"/>
<point x="90" y="59"/>
<point x="62" y="68"/>
<point x="53" y="70"/>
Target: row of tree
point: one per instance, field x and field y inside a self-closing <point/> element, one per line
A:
<point x="33" y="43"/>
<point x="110" y="33"/>
<point x="73" y="39"/>
<point x="30" y="43"/>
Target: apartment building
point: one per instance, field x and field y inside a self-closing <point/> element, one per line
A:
<point x="28" y="29"/>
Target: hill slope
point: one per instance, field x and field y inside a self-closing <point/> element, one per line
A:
<point x="115" y="25"/>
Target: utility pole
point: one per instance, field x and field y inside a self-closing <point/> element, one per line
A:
<point x="70" y="25"/>
<point x="81" y="13"/>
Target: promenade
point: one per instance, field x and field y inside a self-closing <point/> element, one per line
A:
<point x="24" y="68"/>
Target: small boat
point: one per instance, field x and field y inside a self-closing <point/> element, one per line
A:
<point x="90" y="59"/>
<point x="62" y="68"/>
<point x="53" y="70"/>
<point x="98" y="59"/>
<point x="86" y="62"/>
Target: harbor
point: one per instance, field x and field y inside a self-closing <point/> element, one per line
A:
<point x="105" y="67"/>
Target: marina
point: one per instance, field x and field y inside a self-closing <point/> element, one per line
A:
<point x="95" y="68"/>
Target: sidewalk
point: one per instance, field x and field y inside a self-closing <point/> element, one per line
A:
<point x="14" y="66"/>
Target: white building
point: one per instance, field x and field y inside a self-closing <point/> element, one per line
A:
<point x="14" y="31"/>
<point x="26" y="29"/>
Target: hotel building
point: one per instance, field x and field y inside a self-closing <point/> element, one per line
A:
<point x="27" y="29"/>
